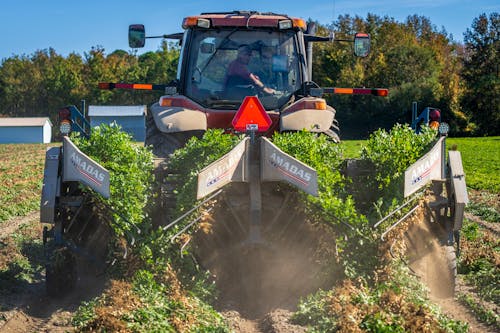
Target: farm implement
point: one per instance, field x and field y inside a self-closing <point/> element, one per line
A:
<point x="254" y="208"/>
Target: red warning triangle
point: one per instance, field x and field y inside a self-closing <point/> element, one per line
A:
<point x="251" y="116"/>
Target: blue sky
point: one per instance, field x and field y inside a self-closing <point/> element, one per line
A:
<point x="76" y="26"/>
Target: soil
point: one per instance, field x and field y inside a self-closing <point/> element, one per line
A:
<point x="31" y="310"/>
<point x="28" y="308"/>
<point x="428" y="262"/>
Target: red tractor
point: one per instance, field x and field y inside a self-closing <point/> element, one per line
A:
<point x="238" y="71"/>
<point x="209" y="88"/>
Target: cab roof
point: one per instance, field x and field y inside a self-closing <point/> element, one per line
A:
<point x="243" y="19"/>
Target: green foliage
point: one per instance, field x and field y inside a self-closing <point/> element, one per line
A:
<point x="41" y="83"/>
<point x="481" y="99"/>
<point x="25" y="260"/>
<point x="390" y="154"/>
<point x="484" y="211"/>
<point x="394" y="151"/>
<point x="391" y="305"/>
<point x="197" y="154"/>
<point x="21" y="173"/>
<point x="313" y="312"/>
<point x="485" y="277"/>
<point x="378" y="323"/>
<point x="85" y="313"/>
<point x="478" y="261"/>
<point x="158" y="311"/>
<point x="484" y="314"/>
<point x="130" y="167"/>
<point x="333" y="203"/>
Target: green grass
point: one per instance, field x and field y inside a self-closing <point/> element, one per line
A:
<point x="352" y="148"/>
<point x="481" y="161"/>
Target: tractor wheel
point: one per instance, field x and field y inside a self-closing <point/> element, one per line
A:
<point x="60" y="272"/>
<point x="163" y="145"/>
<point x="334" y="131"/>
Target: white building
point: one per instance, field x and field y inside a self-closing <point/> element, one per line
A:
<point x="131" y="118"/>
<point x="25" y="130"/>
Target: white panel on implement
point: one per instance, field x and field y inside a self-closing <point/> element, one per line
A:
<point x="423" y="171"/>
<point x="276" y="165"/>
<point x="79" y="167"/>
<point x="230" y="167"/>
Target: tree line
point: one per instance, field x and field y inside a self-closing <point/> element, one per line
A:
<point x="415" y="60"/>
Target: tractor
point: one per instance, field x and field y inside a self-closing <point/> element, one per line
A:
<point x="276" y="94"/>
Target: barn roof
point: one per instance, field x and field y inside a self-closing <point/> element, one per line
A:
<point x="114" y="110"/>
<point x="24" y="121"/>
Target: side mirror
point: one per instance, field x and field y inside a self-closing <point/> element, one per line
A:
<point x="361" y="44"/>
<point x="136" y="35"/>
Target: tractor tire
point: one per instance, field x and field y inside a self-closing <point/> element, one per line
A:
<point x="163" y="145"/>
<point x="60" y="272"/>
<point x="334" y="132"/>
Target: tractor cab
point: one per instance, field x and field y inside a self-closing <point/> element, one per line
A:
<point x="218" y="49"/>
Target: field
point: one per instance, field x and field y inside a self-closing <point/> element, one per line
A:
<point x="21" y="262"/>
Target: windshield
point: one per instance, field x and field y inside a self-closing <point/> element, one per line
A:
<point x="216" y="55"/>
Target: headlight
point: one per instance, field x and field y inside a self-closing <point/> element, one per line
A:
<point x="65" y="127"/>
<point x="444" y="128"/>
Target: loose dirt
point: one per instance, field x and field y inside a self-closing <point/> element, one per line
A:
<point x="26" y="307"/>
<point x="10" y="226"/>
<point x="430" y="262"/>
<point x="290" y="273"/>
<point x="33" y="311"/>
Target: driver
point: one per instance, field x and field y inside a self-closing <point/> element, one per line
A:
<point x="239" y="74"/>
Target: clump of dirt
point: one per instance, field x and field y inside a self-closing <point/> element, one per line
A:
<point x="117" y="301"/>
<point x="351" y="315"/>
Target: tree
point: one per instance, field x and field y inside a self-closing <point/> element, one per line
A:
<point x="481" y="75"/>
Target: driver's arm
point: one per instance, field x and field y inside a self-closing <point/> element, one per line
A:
<point x="261" y="85"/>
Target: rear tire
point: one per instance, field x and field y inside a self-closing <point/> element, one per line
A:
<point x="163" y="145"/>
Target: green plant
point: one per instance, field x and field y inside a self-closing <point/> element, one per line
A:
<point x="163" y="302"/>
<point x="85" y="313"/>
<point x="485" y="315"/>
<point x="158" y="310"/>
<point x="392" y="152"/>
<point x="313" y="312"/>
<point x="333" y="205"/>
<point x="389" y="154"/>
<point x="130" y="168"/>
<point x="485" y="212"/>
<point x="197" y="154"/>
